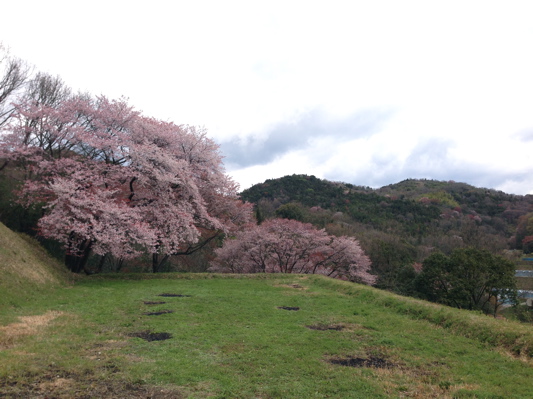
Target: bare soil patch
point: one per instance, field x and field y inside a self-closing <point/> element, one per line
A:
<point x="371" y="361"/>
<point x="154" y="302"/>
<point x="100" y="351"/>
<point x="151" y="336"/>
<point x="28" y="325"/>
<point x="160" y="312"/>
<point x="326" y="327"/>
<point x="60" y="384"/>
<point x="289" y="307"/>
<point x="174" y="295"/>
<point x="296" y="286"/>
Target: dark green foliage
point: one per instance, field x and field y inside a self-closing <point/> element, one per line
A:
<point x="290" y="211"/>
<point x="390" y="255"/>
<point x="496" y="208"/>
<point x="405" y="282"/>
<point x="13" y="215"/>
<point x="308" y="190"/>
<point x="362" y="204"/>
<point x="521" y="313"/>
<point x="468" y="279"/>
<point x="258" y="215"/>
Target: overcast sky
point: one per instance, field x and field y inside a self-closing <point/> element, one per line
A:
<point x="365" y="92"/>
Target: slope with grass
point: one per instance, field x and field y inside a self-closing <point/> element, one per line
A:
<point x="241" y="336"/>
<point x="255" y="336"/>
<point x="26" y="270"/>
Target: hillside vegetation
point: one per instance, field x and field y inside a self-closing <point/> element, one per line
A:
<point x="26" y="269"/>
<point x="412" y="205"/>
<point x="400" y="225"/>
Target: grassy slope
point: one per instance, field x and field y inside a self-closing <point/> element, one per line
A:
<point x="26" y="270"/>
<point x="229" y="339"/>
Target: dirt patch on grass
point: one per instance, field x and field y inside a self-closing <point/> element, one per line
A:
<point x="28" y="325"/>
<point x="426" y="381"/>
<point x="289" y="307"/>
<point x="376" y="357"/>
<point x="151" y="336"/>
<point x="154" y="302"/>
<point x="326" y="327"/>
<point x="174" y="295"/>
<point x="101" y="351"/>
<point x="332" y="326"/>
<point x="296" y="286"/>
<point x="61" y="384"/>
<point x="371" y="361"/>
<point x="158" y="313"/>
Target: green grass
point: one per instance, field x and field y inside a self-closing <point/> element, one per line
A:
<point x="230" y="340"/>
<point x="66" y="339"/>
<point x="26" y="270"/>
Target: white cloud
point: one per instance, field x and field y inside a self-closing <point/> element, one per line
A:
<point x="453" y="74"/>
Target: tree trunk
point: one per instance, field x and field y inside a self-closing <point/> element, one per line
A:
<point x="76" y="263"/>
<point x="158" y="262"/>
<point x="101" y="263"/>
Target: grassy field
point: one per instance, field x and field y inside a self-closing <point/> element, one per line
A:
<point x="230" y="339"/>
<point x="223" y="336"/>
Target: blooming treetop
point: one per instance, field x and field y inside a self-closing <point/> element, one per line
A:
<point x="114" y="181"/>
<point x="289" y="246"/>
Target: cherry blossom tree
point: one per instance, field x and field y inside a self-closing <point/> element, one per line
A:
<point x="289" y="246"/>
<point x="115" y="182"/>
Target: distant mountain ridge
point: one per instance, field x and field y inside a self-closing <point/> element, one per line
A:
<point x="443" y="195"/>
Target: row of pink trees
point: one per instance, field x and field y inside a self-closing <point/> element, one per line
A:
<point x="289" y="246"/>
<point x="115" y="182"/>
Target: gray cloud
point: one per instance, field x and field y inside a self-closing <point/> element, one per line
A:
<point x="430" y="159"/>
<point x="286" y="137"/>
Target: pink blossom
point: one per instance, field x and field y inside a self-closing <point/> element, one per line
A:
<point x="289" y="246"/>
<point x="114" y="181"/>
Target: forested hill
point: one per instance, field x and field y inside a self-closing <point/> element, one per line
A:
<point x="362" y="204"/>
<point x="450" y="194"/>
<point x="413" y="199"/>
<point x="402" y="223"/>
